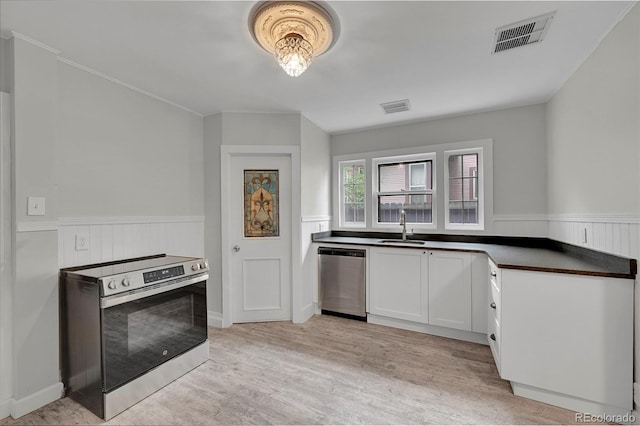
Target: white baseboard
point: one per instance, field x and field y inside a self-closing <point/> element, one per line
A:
<point x="468" y="336"/>
<point x="307" y="312"/>
<point x="5" y="409"/>
<point x="586" y="411"/>
<point x="214" y="319"/>
<point x="36" y="400"/>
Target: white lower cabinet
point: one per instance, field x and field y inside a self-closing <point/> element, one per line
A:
<point x="438" y="288"/>
<point x="450" y="289"/>
<point x="398" y="283"/>
<point x="564" y="339"/>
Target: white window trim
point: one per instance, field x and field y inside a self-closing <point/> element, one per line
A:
<point x="438" y="177"/>
<point x="340" y="190"/>
<point x="424" y="167"/>
<point x="415" y="227"/>
<point x="480" y="191"/>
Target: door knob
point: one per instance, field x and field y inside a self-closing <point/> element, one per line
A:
<point x="236" y="248"/>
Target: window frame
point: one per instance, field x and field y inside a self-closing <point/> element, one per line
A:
<point x="374" y="152"/>
<point x="478" y="190"/>
<point x="341" y="219"/>
<point x="376" y="162"/>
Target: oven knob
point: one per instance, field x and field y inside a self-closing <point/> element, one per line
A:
<point x="203" y="265"/>
<point x="195" y="267"/>
<point x="112" y="284"/>
<point x="126" y="282"/>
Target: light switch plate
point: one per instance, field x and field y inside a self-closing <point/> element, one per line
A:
<point x="35" y="206"/>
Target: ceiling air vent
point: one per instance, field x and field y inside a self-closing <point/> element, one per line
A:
<point x="522" y="33"/>
<point x="396" y="106"/>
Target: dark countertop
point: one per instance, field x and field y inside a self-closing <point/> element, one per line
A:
<point x="530" y="254"/>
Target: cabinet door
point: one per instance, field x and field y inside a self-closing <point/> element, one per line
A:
<point x="450" y="289"/>
<point x="397" y="284"/>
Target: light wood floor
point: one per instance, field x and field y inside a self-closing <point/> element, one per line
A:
<point x="327" y="371"/>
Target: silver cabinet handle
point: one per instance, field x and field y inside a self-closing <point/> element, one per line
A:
<point x="236" y="248"/>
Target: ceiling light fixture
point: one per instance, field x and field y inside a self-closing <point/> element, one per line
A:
<point x="295" y="32"/>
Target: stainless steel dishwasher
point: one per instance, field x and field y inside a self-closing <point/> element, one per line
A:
<point x="342" y="282"/>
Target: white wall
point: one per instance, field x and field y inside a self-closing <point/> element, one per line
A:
<point x="266" y="129"/>
<point x="229" y="128"/>
<point x="121" y="153"/>
<point x="315" y="166"/>
<point x="594" y="152"/>
<point x="315" y="157"/>
<point x="213" y="212"/>
<point x="36" y="378"/>
<point x="593" y="130"/>
<point x="7" y="237"/>
<point x="6" y="63"/>
<point x="260" y="129"/>
<point x="519" y="158"/>
<point x="112" y="162"/>
<point x="594" y="147"/>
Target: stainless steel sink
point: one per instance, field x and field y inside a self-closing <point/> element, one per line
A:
<point x="399" y="242"/>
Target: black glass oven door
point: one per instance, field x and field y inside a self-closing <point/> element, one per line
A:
<point x="141" y="334"/>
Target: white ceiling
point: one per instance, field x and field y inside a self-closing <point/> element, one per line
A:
<point x="200" y="54"/>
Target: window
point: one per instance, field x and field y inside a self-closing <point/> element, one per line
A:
<point x="352" y="193"/>
<point x="441" y="188"/>
<point x="463" y="191"/>
<point x="405" y="183"/>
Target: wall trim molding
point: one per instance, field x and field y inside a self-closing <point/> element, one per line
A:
<point x="592" y="218"/>
<point x="117" y="220"/>
<point x="36" y="400"/>
<point x="214" y="319"/>
<point x="127" y="85"/>
<point x="306" y="219"/>
<point x="35" y="43"/>
<point x="595" y="218"/>
<point x="519" y="217"/>
<point x="36" y="226"/>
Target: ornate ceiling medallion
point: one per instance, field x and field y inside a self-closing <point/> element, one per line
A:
<point x="295" y="32"/>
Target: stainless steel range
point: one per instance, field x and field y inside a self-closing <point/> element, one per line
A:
<point x="131" y="327"/>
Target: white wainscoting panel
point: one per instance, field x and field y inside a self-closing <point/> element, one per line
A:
<point x="611" y="234"/>
<point x="123" y="238"/>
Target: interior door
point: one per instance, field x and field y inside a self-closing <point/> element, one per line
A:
<point x="260" y="236"/>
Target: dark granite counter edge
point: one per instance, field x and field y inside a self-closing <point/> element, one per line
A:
<point x="619" y="267"/>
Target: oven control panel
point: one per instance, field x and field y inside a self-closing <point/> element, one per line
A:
<point x="163" y="274"/>
<point x="138" y="279"/>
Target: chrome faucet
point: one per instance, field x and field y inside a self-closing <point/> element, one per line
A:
<point x="403" y="222"/>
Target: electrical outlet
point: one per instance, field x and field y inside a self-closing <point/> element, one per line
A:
<point x="82" y="242"/>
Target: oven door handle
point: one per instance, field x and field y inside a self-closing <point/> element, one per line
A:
<point x="117" y="299"/>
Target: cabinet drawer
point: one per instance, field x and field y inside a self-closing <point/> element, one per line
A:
<point x="493" y="336"/>
<point x="495" y="303"/>
<point x="494" y="275"/>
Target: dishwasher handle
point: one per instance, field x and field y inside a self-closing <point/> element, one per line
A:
<point x="330" y="251"/>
